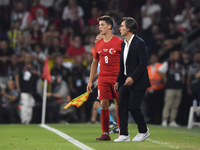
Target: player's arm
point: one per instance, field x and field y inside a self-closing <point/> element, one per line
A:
<point x="92" y="74"/>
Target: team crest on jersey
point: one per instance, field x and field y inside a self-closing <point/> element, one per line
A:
<point x="112" y="51"/>
<point x="105" y="50"/>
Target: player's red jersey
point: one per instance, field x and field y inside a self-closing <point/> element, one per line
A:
<point x="109" y="55"/>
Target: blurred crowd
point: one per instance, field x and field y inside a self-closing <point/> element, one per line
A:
<point x="65" y="31"/>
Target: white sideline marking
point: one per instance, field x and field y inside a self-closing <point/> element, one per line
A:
<point x="162" y="143"/>
<point x="67" y="137"/>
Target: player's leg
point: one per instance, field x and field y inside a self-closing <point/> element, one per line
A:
<point x="104" y="120"/>
<point x="104" y="94"/>
<point x="97" y="107"/>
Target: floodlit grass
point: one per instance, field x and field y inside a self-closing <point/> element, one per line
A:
<point x="33" y="137"/>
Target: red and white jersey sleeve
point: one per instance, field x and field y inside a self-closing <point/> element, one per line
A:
<point x="109" y="55"/>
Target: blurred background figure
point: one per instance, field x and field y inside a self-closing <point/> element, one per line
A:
<point x="26" y="74"/>
<point x="23" y="15"/>
<point x="58" y="95"/>
<point x="10" y="99"/>
<point x="173" y="74"/>
<point x="79" y="78"/>
<point x="150" y="13"/>
<point x="76" y="49"/>
<point x="194" y="76"/>
<point x="5" y="54"/>
<point x="155" y="93"/>
<point x="186" y="100"/>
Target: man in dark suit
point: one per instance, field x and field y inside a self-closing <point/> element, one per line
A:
<point x="132" y="81"/>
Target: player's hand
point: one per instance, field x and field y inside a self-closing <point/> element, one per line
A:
<point x="129" y="81"/>
<point x="89" y="87"/>
<point x="116" y="87"/>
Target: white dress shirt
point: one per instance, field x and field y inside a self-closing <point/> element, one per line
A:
<point x="126" y="49"/>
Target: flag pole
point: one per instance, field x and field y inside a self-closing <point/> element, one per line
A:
<point x="44" y="102"/>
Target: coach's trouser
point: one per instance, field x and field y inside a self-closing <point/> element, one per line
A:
<point x="172" y="101"/>
<point x="131" y="101"/>
<point x="27" y="103"/>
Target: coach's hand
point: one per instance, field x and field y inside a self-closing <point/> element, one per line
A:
<point x="116" y="87"/>
<point x="129" y="81"/>
<point x="89" y="87"/>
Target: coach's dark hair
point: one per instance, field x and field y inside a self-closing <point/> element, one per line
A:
<point x="107" y="19"/>
<point x="130" y="24"/>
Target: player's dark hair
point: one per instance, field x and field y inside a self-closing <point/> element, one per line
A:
<point x="131" y="24"/>
<point x="107" y="19"/>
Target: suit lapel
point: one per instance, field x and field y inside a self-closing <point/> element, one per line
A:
<point x="122" y="53"/>
<point x="131" y="46"/>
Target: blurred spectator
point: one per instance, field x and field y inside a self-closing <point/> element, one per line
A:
<point x="4" y="2"/>
<point x="155" y="39"/>
<point x="38" y="57"/>
<point x="37" y="6"/>
<point x="88" y="60"/>
<point x="35" y="35"/>
<point x="59" y="69"/>
<point x="72" y="11"/>
<point x="181" y="25"/>
<point x="13" y="34"/>
<point x="65" y="37"/>
<point x="173" y="37"/>
<point x="76" y="49"/>
<point x="194" y="77"/>
<point x="3" y="35"/>
<point x="10" y="103"/>
<point x="155" y="93"/>
<point x="195" y="23"/>
<point x="48" y="43"/>
<point x="186" y="101"/>
<point x="173" y="74"/>
<point x="90" y="47"/>
<point x="174" y="6"/>
<point x="49" y="4"/>
<point x="56" y="49"/>
<point x="51" y="32"/>
<point x="21" y="43"/>
<point x="23" y="15"/>
<point x="40" y="19"/>
<point x="5" y="54"/>
<point x="12" y="66"/>
<point x="149" y="12"/>
<point x="72" y="15"/>
<point x="58" y="95"/>
<point x="22" y="54"/>
<point x="79" y="77"/>
<point x="95" y="15"/>
<point x="26" y="74"/>
<point x="187" y="13"/>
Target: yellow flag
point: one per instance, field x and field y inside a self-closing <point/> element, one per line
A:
<point x="78" y="101"/>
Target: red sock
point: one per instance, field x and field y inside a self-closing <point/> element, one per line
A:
<point x="118" y="117"/>
<point x="105" y="120"/>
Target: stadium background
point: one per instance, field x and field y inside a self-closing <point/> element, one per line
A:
<point x="62" y="28"/>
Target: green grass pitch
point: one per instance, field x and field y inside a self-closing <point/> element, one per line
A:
<point x="33" y="137"/>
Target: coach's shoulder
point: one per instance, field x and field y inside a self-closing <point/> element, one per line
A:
<point x="139" y="40"/>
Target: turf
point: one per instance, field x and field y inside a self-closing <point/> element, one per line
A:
<point x="33" y="137"/>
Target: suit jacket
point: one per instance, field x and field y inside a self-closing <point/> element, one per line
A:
<point x="136" y="65"/>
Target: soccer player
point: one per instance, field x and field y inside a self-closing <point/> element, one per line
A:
<point x="108" y="51"/>
<point x="113" y="127"/>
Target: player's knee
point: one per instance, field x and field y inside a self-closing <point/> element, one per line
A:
<point x="104" y="104"/>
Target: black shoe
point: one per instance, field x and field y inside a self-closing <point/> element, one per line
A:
<point x="113" y="128"/>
